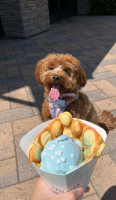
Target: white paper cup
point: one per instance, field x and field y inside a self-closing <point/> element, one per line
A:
<point x="62" y="183"/>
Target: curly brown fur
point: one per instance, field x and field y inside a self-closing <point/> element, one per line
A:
<point x="107" y="120"/>
<point x="70" y="76"/>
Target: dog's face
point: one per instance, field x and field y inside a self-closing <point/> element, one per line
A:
<point x="62" y="70"/>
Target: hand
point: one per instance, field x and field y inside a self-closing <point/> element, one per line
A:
<point x="43" y="192"/>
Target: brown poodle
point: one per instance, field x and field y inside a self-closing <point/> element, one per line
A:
<point x="61" y="74"/>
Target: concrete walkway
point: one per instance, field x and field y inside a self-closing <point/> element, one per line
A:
<point x="93" y="41"/>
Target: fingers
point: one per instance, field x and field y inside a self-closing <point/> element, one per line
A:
<point x="72" y="195"/>
<point x="78" y="192"/>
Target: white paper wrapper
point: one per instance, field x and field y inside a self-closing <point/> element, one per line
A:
<point x="62" y="183"/>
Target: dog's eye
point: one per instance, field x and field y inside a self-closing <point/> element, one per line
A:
<point x="67" y="71"/>
<point x="51" y="68"/>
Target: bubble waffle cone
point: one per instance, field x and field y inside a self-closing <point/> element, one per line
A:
<point x="89" y="139"/>
<point x="68" y="131"/>
<point x="90" y="136"/>
<point x="35" y="153"/>
<point x="65" y="118"/>
<point x="76" y="127"/>
<point x="56" y="128"/>
<point x="100" y="149"/>
<point x="53" y="130"/>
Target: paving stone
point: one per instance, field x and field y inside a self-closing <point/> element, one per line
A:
<point x="112" y="51"/>
<point x="112" y="135"/>
<point x="37" y="107"/>
<point x="10" y="80"/>
<point x="21" y="191"/>
<point x="113" y="99"/>
<point x="106" y="87"/>
<point x="19" y="91"/>
<point x="104" y="75"/>
<point x="100" y="69"/>
<point x="12" y="73"/>
<point x="10" y="57"/>
<point x="104" y="175"/>
<point x="2" y="57"/>
<point x="6" y="141"/>
<point x="34" y="89"/>
<point x="14" y="87"/>
<point x="28" y="74"/>
<point x="15" y="114"/>
<point x="30" y="83"/>
<point x="8" y="172"/>
<point x="33" y="98"/>
<point x="8" y="62"/>
<point x="4" y="105"/>
<point x="96" y="95"/>
<point x="2" y="75"/>
<point x="109" y="57"/>
<point x="19" y="98"/>
<point x="112" y="68"/>
<point x="109" y="145"/>
<point x="114" y="112"/>
<point x="27" y="48"/>
<point x="4" y="96"/>
<point x="3" y="68"/>
<point x="21" y="59"/>
<point x="106" y="104"/>
<point x="27" y="67"/>
<point x="16" y="48"/>
<point x="25" y="169"/>
<point x="91" y="191"/>
<point x="97" y="109"/>
<point x="88" y="87"/>
<point x="24" y="125"/>
<point x="11" y="64"/>
<point x="33" y="59"/>
<point x="3" y="89"/>
<point x="112" y="80"/>
<point x="94" y="196"/>
<point x="108" y="62"/>
<point x="113" y="155"/>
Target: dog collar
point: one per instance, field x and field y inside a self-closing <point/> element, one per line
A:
<point x="68" y="95"/>
<point x="60" y="105"/>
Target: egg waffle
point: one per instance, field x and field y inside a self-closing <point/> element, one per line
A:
<point x="90" y="140"/>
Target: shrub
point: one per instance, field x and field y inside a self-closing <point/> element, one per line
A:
<point x="103" y="7"/>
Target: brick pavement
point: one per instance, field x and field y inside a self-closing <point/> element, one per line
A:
<point x="93" y="41"/>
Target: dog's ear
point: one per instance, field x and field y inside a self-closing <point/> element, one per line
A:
<point x="38" y="72"/>
<point x="80" y="74"/>
<point x="81" y="77"/>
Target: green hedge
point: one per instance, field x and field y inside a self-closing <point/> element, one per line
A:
<point x="103" y="7"/>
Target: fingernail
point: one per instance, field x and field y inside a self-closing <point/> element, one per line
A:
<point x="80" y="192"/>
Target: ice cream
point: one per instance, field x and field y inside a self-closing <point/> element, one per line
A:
<point x="61" y="155"/>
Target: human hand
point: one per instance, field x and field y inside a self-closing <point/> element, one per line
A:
<point x="43" y="192"/>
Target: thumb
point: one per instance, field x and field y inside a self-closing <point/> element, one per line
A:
<point x="72" y="195"/>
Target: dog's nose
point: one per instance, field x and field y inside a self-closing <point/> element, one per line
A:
<point x="55" y="78"/>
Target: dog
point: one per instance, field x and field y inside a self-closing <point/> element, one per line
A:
<point x="62" y="75"/>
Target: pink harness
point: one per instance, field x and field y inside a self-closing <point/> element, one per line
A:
<point x="60" y="105"/>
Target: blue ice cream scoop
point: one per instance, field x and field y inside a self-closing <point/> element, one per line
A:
<point x="62" y="155"/>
